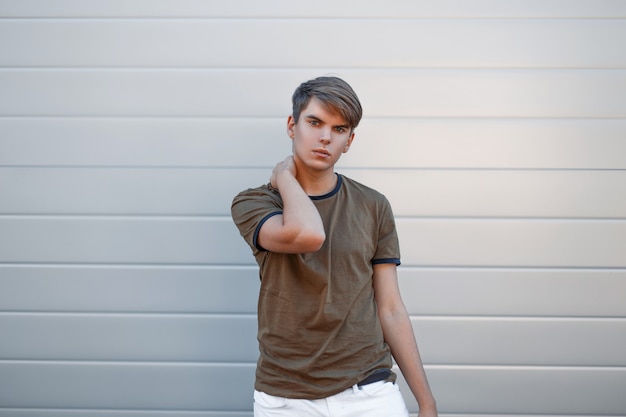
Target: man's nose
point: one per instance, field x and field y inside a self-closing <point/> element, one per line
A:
<point x="325" y="135"/>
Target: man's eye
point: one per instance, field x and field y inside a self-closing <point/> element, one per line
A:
<point x="340" y="129"/>
<point x="314" y="122"/>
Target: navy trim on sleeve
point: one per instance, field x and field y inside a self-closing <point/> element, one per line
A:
<point x="386" y="261"/>
<point x="258" y="228"/>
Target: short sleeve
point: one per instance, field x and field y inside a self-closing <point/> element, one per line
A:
<point x="251" y="208"/>
<point x="388" y="246"/>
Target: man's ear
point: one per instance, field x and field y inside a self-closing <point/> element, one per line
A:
<point x="347" y="147"/>
<point x="291" y="125"/>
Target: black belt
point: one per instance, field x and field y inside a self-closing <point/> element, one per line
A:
<point x="377" y="375"/>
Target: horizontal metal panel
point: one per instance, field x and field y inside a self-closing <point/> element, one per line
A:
<point x="514" y="292"/>
<point x="419" y="193"/>
<point x="470" y="390"/>
<point x="424" y="242"/>
<point x="488" y="143"/>
<point x="496" y="193"/>
<point x="139" y="191"/>
<point x="158" y="289"/>
<point x="506" y="243"/>
<point x="521" y="341"/>
<point x="124" y="386"/>
<point x="380" y="143"/>
<point x="513" y="390"/>
<point x="186" y="240"/>
<point x="194" y="338"/>
<point x="392" y="43"/>
<point x="129" y="337"/>
<point x="426" y="291"/>
<point x="17" y="412"/>
<point x="324" y="8"/>
<point x="266" y="92"/>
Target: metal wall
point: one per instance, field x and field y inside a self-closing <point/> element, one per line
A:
<point x="496" y="129"/>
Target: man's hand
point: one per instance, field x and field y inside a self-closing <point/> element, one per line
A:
<point x="286" y="164"/>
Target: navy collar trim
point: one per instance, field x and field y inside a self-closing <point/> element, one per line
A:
<point x="332" y="193"/>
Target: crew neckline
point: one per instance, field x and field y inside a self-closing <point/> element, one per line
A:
<point x="332" y="192"/>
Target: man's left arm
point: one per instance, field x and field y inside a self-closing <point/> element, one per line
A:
<point x="399" y="335"/>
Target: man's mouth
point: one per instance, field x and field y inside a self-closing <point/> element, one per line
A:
<point x="321" y="152"/>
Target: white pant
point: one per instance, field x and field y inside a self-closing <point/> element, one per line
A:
<point x="379" y="399"/>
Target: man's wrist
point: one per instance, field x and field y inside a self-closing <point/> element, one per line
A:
<point x="427" y="404"/>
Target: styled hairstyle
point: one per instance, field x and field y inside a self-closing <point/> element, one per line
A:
<point x="334" y="93"/>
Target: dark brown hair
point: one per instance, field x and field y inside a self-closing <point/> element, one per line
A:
<point x="334" y="93"/>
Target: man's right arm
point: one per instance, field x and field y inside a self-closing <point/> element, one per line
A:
<point x="299" y="229"/>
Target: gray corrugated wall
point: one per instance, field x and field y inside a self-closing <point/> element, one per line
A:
<point x="496" y="129"/>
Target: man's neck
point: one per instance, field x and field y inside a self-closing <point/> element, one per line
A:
<point x="316" y="185"/>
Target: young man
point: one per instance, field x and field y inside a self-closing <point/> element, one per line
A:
<point x="330" y="312"/>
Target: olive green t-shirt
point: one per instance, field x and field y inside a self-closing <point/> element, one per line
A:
<point x="318" y="328"/>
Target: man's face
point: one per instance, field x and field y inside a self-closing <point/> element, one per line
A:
<point x="319" y="137"/>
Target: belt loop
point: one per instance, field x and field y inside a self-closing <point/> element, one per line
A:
<point x="355" y="388"/>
